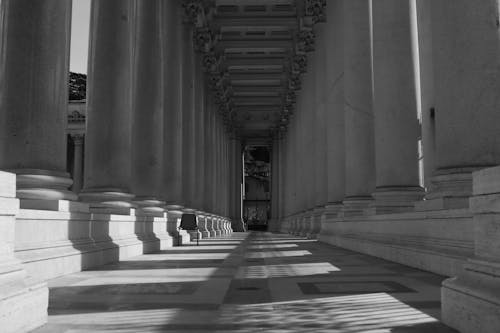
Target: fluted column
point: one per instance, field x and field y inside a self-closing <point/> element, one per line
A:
<point x="395" y="106"/>
<point x="273" y="224"/>
<point x="236" y="182"/>
<point x="427" y="91"/>
<point x="466" y="55"/>
<point x="319" y="128"/>
<point x="208" y="153"/>
<point x="333" y="82"/>
<point x="78" y="140"/>
<point x="34" y="63"/>
<point x="283" y="172"/>
<point x="108" y="143"/>
<point x="172" y="28"/>
<point x="214" y="161"/>
<point x="188" y="120"/>
<point x="147" y="112"/>
<point x="358" y="108"/>
<point x="200" y="128"/>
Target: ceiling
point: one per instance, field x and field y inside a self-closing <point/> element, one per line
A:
<point x="255" y="52"/>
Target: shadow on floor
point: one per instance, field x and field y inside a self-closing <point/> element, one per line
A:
<point x="254" y="282"/>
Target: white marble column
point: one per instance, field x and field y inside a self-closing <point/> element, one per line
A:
<point x="358" y="108"/>
<point x="236" y="183"/>
<point x="147" y="109"/>
<point x="108" y="137"/>
<point x="273" y="223"/>
<point x="172" y="119"/>
<point x="200" y="128"/>
<point x="333" y="41"/>
<point x="172" y="94"/>
<point x="319" y="127"/>
<point x="282" y="181"/>
<point x="188" y="120"/>
<point x="395" y="107"/>
<point x="34" y="64"/>
<point x="466" y="55"/>
<point x="427" y="91"/>
<point x="78" y="141"/>
<point x="208" y="153"/>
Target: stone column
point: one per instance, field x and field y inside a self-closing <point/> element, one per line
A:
<point x="319" y="130"/>
<point x="282" y="180"/>
<point x="395" y="106"/>
<point x="188" y="120"/>
<point x="358" y="108"/>
<point x="273" y="224"/>
<point x="78" y="140"/>
<point x="333" y="82"/>
<point x="172" y="119"/>
<point x="466" y="55"/>
<point x="108" y="136"/>
<point x="237" y="217"/>
<point x="34" y="64"/>
<point x="208" y="157"/>
<point x="147" y="111"/>
<point x="427" y="91"/>
<point x="200" y="127"/>
<point x="214" y="148"/>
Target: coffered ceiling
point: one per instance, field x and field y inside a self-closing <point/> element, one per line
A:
<point x="255" y="52"/>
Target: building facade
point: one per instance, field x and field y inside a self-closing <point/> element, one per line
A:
<point x="383" y="117"/>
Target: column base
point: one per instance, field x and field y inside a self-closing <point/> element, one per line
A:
<point x="316" y="218"/>
<point x="202" y="224"/>
<point x="355" y="206"/>
<point x="332" y="210"/>
<point x="306" y="223"/>
<point x="109" y="201"/>
<point x="450" y="189"/>
<point x="149" y="207"/>
<point x="471" y="302"/>
<point x="238" y="225"/>
<point x="40" y="184"/>
<point x="55" y="205"/>
<point x="390" y="200"/>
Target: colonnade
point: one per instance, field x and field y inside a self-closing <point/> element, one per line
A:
<point x="390" y="83"/>
<point x="387" y="79"/>
<point x="154" y="138"/>
<point x="156" y="145"/>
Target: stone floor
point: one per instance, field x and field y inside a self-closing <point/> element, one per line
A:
<point x="248" y="282"/>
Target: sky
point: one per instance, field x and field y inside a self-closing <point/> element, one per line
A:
<point x="80" y="36"/>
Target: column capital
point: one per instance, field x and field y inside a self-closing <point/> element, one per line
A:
<point x="78" y="138"/>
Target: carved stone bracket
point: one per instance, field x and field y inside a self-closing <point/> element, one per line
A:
<point x="316" y="9"/>
<point x="203" y="39"/>
<point x="305" y="40"/>
<point x="193" y="9"/>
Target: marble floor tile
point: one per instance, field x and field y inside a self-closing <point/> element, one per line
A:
<point x="248" y="282"/>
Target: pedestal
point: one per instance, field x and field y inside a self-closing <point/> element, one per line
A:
<point x="471" y="301"/>
<point x="23" y="301"/>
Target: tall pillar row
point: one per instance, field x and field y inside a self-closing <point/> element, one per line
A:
<point x="188" y="120"/>
<point x="172" y="189"/>
<point x="331" y="57"/>
<point x="396" y="123"/>
<point x="147" y="109"/>
<point x="108" y="145"/>
<point x="465" y="56"/>
<point x="35" y="49"/>
<point x="358" y="108"/>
